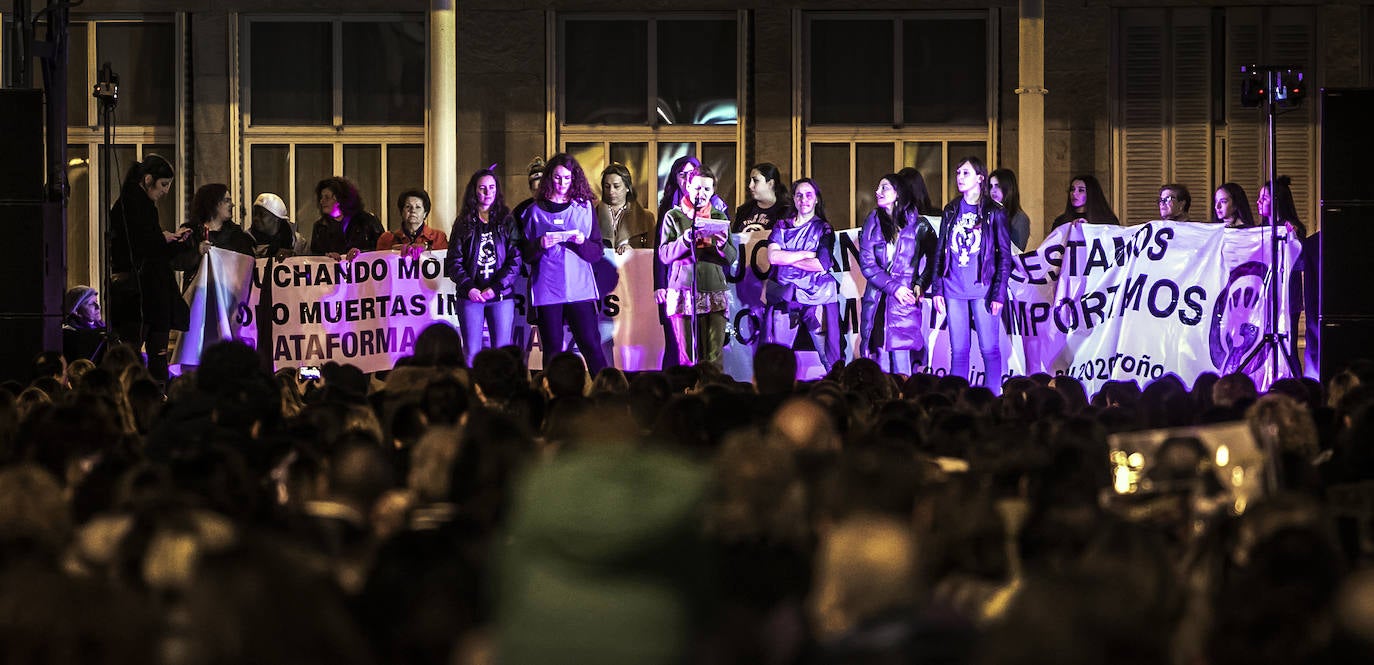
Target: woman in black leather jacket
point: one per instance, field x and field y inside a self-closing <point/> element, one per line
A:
<point x="971" y="271"/>
<point x="484" y="261"/>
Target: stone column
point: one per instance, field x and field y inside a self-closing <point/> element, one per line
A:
<point x="441" y="132"/>
<point x="1030" y="91"/>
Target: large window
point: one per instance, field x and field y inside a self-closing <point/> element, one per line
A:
<point x="646" y="90"/>
<point x="145" y="53"/>
<point x="917" y="93"/>
<point x="333" y="96"/>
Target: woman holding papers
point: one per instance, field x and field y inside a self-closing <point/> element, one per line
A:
<point x="694" y="244"/>
<point x="562" y="241"/>
<point x="971" y="270"/>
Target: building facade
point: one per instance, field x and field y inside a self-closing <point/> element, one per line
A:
<point x="274" y="96"/>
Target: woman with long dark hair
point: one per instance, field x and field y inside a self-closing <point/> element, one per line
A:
<point x="800" y="290"/>
<point x="211" y="225"/>
<point x="344" y="228"/>
<point x="484" y="262"/>
<point x="1003" y="189"/>
<point x="768" y="201"/>
<point x="920" y="193"/>
<point x="897" y="257"/>
<point x="1085" y="204"/>
<point x="145" y="303"/>
<point x="1231" y="207"/>
<point x="561" y="242"/>
<point x="972" y="267"/>
<point x="625" y="224"/>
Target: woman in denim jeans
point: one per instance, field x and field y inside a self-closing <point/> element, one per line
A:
<point x="971" y="270"/>
<point x="483" y="261"/>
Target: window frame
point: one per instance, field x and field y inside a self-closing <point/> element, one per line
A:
<point x="337" y="134"/>
<point x="561" y="134"/>
<point x="805" y="134"/>
<point x="92" y="135"/>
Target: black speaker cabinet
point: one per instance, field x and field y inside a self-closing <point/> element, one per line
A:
<point x="1344" y="341"/>
<point x="1346" y="142"/>
<point x="33" y="270"/>
<point x="1346" y="234"/>
<point x="25" y="336"/>
<point x="21" y="145"/>
<point x="33" y="275"/>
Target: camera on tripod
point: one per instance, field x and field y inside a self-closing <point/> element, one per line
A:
<point x="106" y="88"/>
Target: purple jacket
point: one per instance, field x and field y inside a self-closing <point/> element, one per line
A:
<point x="911" y="265"/>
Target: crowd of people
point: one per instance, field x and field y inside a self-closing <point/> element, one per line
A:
<point x="453" y="512"/>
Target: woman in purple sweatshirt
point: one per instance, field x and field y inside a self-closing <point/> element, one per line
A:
<point x="562" y="241"/>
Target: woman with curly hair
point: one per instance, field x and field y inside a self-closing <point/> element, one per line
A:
<point x="211" y="225"/>
<point x="562" y="241"/>
<point x="344" y="228"/>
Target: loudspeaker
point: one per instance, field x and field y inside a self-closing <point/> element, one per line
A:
<point x="1347" y="232"/>
<point x="21" y="144"/>
<point x="1343" y="343"/>
<point x="1346" y="142"/>
<point x="33" y="275"/>
<point x="25" y="337"/>
<point x="33" y="266"/>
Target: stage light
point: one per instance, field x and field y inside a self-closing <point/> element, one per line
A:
<point x="1283" y="86"/>
<point x="1292" y="89"/>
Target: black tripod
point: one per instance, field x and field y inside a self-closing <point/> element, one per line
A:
<point x="1273" y="340"/>
<point x="106" y="93"/>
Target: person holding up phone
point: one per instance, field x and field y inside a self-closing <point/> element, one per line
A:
<point x="694" y="246"/>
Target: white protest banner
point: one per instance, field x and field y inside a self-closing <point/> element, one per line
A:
<point x="220" y="285"/>
<point x="366" y="312"/>
<point x="1096" y="302"/>
<point x="1106" y="303"/>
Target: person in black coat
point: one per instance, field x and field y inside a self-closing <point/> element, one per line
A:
<point x="145" y="303"/>
<point x="344" y="228"/>
<point x="212" y="226"/>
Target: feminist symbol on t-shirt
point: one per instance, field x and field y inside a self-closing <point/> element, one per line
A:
<point x="967" y="237"/>
<point x="486" y="257"/>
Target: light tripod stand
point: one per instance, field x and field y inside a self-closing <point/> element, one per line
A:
<point x="1279" y="86"/>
